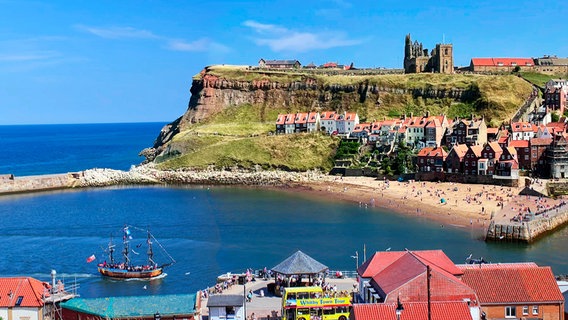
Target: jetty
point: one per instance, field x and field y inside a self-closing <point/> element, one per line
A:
<point x="528" y="216"/>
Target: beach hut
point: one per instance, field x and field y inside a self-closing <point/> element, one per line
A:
<point x="298" y="265"/>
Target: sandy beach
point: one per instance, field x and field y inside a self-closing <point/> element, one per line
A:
<point x="445" y="202"/>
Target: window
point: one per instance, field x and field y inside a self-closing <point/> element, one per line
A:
<point x="19" y="300"/>
<point x="535" y="310"/>
<point x="525" y="310"/>
<point x="510" y="312"/>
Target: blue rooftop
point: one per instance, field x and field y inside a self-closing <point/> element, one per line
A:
<point x="122" y="307"/>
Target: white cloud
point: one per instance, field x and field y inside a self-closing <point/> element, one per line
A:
<point x="118" y="32"/>
<point x="203" y="44"/>
<point x="264" y="28"/>
<point x="198" y="45"/>
<point x="278" y="38"/>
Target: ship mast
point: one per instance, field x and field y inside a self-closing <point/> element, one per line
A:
<point x="126" y="248"/>
<point x="111" y="250"/>
<point x="150" y="252"/>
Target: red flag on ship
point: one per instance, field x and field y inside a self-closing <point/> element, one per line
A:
<point x="91" y="258"/>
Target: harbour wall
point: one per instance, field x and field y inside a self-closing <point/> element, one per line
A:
<point x="526" y="231"/>
<point x="10" y="184"/>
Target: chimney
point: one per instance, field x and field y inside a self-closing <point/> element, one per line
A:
<point x="472" y="117"/>
<point x="427" y="114"/>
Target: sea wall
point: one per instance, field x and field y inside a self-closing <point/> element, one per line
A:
<point x="467" y="178"/>
<point x="526" y="231"/>
<point x="38" y="183"/>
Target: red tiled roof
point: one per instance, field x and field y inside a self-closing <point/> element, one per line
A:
<point x="557" y="125"/>
<point x="498" y="62"/>
<point x="496" y="147"/>
<point x="412" y="311"/>
<point x="477" y="149"/>
<point x="523" y="284"/>
<point x="378" y="262"/>
<point x="290" y="118"/>
<point x="281" y="119"/>
<point x="492" y="130"/>
<point x="301" y="118"/>
<point x="541" y="141"/>
<point x="29" y="288"/>
<point x="519" y="143"/>
<point x="328" y="115"/>
<point x="312" y="117"/>
<point x="512" y="265"/>
<point x="405" y="273"/>
<point x="350" y="116"/>
<point x="523" y="127"/>
<point x="460" y="150"/>
<point x="424" y="152"/>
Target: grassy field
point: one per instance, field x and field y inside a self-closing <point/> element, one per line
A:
<point x="296" y="152"/>
<point x="535" y="78"/>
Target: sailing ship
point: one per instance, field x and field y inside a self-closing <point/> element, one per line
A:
<point x="126" y="268"/>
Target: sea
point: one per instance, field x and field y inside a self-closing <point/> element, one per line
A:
<point x="207" y="230"/>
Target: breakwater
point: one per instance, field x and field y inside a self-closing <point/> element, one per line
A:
<point x="10" y="184"/>
<point x="147" y="174"/>
<point x="527" y="231"/>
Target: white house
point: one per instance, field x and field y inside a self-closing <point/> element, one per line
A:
<point x="523" y="131"/>
<point x="226" y="306"/>
<point x="313" y="122"/>
<point x="346" y="122"/>
<point x="327" y="121"/>
<point x="289" y="124"/>
<point x="22" y="298"/>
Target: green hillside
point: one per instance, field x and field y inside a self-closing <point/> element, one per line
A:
<point x="242" y="135"/>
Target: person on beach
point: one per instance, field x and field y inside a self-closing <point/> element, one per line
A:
<point x="249" y="296"/>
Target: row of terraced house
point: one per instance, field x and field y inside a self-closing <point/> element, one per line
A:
<point x="474" y="149"/>
<point x="539" y="150"/>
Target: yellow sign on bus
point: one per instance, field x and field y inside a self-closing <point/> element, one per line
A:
<point x="310" y="303"/>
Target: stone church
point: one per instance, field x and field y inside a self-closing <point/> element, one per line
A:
<point x="417" y="59"/>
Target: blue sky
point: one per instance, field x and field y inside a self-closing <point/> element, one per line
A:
<point x="132" y="61"/>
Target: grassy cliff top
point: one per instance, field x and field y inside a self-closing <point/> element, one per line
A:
<point x="355" y="77"/>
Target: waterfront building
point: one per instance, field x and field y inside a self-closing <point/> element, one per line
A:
<point x="154" y="307"/>
<point x="515" y="290"/>
<point x="226" y="306"/>
<point x="432" y="159"/>
<point x="391" y="277"/>
<point x="22" y="298"/>
<point x="455" y="158"/>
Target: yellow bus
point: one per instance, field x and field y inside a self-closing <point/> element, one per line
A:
<point x="309" y="303"/>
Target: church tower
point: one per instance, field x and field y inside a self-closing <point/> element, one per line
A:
<point x="444" y="58"/>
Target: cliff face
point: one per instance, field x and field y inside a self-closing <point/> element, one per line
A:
<point x="211" y="93"/>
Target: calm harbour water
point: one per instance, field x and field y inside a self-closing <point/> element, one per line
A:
<point x="212" y="230"/>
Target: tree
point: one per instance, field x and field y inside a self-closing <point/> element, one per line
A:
<point x="516" y="69"/>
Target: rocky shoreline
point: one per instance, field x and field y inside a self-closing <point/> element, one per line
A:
<point x="147" y="174"/>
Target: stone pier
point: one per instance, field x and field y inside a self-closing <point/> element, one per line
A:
<point x="527" y="231"/>
<point x="10" y="184"/>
